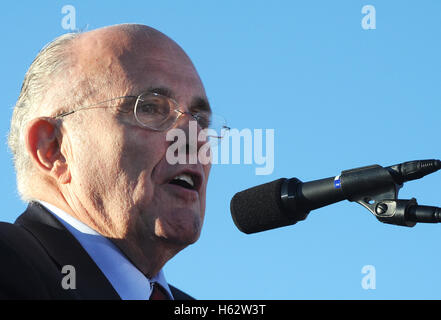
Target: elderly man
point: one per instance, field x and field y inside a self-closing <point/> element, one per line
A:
<point x="106" y="209"/>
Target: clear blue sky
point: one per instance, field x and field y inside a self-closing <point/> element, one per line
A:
<point x="337" y="97"/>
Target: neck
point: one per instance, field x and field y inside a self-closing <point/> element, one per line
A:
<point x="149" y="257"/>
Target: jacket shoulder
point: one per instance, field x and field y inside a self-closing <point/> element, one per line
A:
<point x="26" y="270"/>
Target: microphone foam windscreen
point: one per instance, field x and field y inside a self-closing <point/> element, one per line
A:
<point x="260" y="208"/>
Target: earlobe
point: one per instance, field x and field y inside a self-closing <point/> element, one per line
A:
<point x="42" y="144"/>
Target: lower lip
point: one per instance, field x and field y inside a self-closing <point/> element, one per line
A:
<point x="187" y="194"/>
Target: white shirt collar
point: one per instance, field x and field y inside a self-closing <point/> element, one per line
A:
<point x="126" y="279"/>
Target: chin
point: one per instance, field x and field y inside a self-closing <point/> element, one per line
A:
<point x="180" y="235"/>
<point x="182" y="242"/>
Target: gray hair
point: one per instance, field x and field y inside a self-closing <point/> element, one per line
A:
<point x="51" y="62"/>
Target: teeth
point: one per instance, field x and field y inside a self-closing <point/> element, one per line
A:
<point x="185" y="177"/>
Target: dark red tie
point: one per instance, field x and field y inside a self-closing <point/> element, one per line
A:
<point x="158" y="293"/>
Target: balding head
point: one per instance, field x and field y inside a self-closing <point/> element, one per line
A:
<point x="125" y="43"/>
<point x="119" y="57"/>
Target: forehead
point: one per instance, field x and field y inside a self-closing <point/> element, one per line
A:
<point x="128" y="60"/>
<point x="180" y="80"/>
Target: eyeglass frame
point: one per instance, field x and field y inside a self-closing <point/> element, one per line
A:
<point x="195" y="116"/>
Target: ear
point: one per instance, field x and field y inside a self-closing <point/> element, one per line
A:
<point x="43" y="145"/>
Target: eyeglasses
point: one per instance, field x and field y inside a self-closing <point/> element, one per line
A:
<point x="159" y="113"/>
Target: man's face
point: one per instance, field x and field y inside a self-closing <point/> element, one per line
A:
<point x="119" y="169"/>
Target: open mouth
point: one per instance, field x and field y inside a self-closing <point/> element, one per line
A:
<point x="186" y="181"/>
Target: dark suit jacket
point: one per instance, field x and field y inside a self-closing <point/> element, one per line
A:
<point x="33" y="252"/>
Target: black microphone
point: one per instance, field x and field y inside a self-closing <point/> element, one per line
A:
<point x="284" y="201"/>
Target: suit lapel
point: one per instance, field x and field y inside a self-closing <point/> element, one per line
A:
<point x="65" y="250"/>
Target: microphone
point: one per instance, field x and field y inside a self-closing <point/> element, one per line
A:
<point x="284" y="201"/>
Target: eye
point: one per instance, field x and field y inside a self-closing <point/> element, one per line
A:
<point x="150" y="108"/>
<point x="204" y="119"/>
<point x="153" y="106"/>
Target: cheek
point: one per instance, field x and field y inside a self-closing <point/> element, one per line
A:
<point x="141" y="150"/>
<point x="139" y="157"/>
<point x="96" y="162"/>
<point x="97" y="150"/>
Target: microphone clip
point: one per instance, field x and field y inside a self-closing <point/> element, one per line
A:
<point x="395" y="212"/>
<point x="384" y="204"/>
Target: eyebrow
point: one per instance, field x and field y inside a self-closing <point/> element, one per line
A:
<point x="197" y="103"/>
